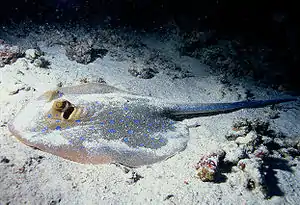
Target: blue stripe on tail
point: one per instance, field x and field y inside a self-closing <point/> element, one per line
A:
<point x="223" y="107"/>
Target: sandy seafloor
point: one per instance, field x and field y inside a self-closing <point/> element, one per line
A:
<point x="29" y="176"/>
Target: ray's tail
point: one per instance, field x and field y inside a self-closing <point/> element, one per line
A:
<point x="215" y="108"/>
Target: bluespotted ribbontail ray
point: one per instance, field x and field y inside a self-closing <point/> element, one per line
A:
<point x="97" y="123"/>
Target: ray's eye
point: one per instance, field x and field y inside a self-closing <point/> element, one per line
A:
<point x="64" y="107"/>
<point x="60" y="105"/>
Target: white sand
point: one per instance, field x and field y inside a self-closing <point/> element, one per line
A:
<point x="35" y="177"/>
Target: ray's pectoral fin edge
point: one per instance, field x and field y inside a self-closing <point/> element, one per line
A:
<point x="91" y="88"/>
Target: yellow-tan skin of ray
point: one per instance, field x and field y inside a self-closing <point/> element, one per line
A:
<point x="63" y="113"/>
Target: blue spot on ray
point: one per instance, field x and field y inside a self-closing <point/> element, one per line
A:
<point x="44" y="129"/>
<point x="130" y="131"/>
<point x="112" y="131"/>
<point x="58" y="128"/>
<point x="60" y="94"/>
<point x="126" y="139"/>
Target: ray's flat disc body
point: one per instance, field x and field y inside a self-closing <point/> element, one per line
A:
<point x="103" y="127"/>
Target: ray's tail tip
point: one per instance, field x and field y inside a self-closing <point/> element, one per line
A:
<point x="283" y="100"/>
<point x="287" y="99"/>
<point x="296" y="98"/>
